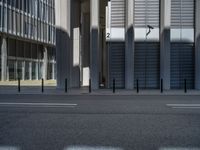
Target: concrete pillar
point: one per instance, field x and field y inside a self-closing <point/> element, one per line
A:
<point x="4" y="57"/>
<point x="197" y="45"/>
<point x="75" y="44"/>
<point x="63" y="27"/>
<point x="94" y="43"/>
<point x="37" y="75"/>
<point x="45" y="63"/>
<point x="53" y="71"/>
<point x="165" y="23"/>
<point x="129" y="51"/>
<point x="23" y="70"/>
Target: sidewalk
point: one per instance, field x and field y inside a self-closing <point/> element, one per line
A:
<point x="52" y="90"/>
<point x="28" y="83"/>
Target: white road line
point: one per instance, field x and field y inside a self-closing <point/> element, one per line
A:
<point x="39" y="104"/>
<point x="183" y="105"/>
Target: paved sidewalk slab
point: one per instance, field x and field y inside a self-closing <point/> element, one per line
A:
<point x="52" y="90"/>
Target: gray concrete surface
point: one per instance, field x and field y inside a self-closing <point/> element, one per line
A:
<point x="129" y="41"/>
<point x="197" y="44"/>
<point x="98" y="123"/>
<point x="165" y="45"/>
<point x="4" y="56"/>
<point x="50" y="89"/>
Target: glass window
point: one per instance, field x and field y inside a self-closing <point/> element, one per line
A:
<point x="34" y="70"/>
<point x="5" y="20"/>
<point x="34" y="52"/>
<point x="19" y="69"/>
<point x="40" y="70"/>
<point x="25" y="3"/>
<point x="13" y="21"/>
<point x="27" y="49"/>
<point x="50" y="71"/>
<point x="9" y="2"/>
<point x="20" y="49"/>
<point x="27" y="64"/>
<point x="10" y="20"/>
<point x="1" y="13"/>
<point x="11" y="68"/>
<point x="11" y="47"/>
<point x="17" y="4"/>
<point x="18" y="22"/>
<point x="21" y="5"/>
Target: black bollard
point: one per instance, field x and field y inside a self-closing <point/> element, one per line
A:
<point x="113" y="85"/>
<point x="185" y="85"/>
<point x="90" y="89"/>
<point x="66" y="87"/>
<point x="42" y="85"/>
<point x="161" y="85"/>
<point x="137" y="86"/>
<point x="19" y="85"/>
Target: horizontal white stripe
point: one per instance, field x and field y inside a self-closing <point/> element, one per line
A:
<point x="186" y="107"/>
<point x="39" y="104"/>
<point x="183" y="105"/>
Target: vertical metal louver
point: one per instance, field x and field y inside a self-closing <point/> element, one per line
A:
<point x="146" y="13"/>
<point x="182" y="49"/>
<point x="118" y="13"/>
<point x="147" y="64"/>
<point x="182" y="65"/>
<point x="117" y="63"/>
<point x="182" y="13"/>
<point x="147" y="49"/>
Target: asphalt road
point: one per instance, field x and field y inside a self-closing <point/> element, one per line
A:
<point x="36" y="122"/>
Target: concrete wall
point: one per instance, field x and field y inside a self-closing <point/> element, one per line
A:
<point x="197" y="45"/>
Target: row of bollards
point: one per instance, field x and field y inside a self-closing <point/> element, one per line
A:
<point x="113" y="86"/>
<point x="19" y="85"/>
<point x="138" y="89"/>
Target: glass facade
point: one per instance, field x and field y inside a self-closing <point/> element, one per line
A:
<point x="32" y="19"/>
<point x="29" y="27"/>
<point x="25" y="60"/>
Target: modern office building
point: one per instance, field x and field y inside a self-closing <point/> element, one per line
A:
<point x="128" y="40"/>
<point x="27" y="39"/>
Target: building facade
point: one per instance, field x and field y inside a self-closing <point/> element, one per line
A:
<point x="27" y="39"/>
<point x="148" y="41"/>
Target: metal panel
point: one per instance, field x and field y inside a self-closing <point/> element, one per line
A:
<point x="118" y="13"/>
<point x="147" y="64"/>
<point x="182" y="65"/>
<point x="182" y="13"/>
<point x="147" y="13"/>
<point x="117" y="63"/>
<point x="182" y="46"/>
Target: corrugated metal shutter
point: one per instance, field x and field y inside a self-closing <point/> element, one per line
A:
<point x="117" y="63"/>
<point x="182" y="13"/>
<point x="147" y="13"/>
<point x="118" y="13"/>
<point x="147" y="64"/>
<point x="182" y="65"/>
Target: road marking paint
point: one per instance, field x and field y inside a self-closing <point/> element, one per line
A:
<point x="183" y="105"/>
<point x="186" y="107"/>
<point x="39" y="104"/>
